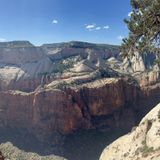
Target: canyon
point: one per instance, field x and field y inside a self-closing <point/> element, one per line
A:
<point x="55" y="90"/>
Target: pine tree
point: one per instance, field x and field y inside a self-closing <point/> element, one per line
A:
<point x="144" y="27"/>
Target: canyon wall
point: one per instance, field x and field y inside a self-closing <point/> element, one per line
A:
<point x="111" y="103"/>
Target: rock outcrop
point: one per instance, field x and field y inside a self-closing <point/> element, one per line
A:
<point x="141" y="143"/>
<point x="139" y="62"/>
<point x="11" y="152"/>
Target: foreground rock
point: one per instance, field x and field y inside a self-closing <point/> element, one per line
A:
<point x="141" y="144"/>
<point x="11" y="152"/>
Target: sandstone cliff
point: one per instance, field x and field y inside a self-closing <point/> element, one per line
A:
<point x="68" y="107"/>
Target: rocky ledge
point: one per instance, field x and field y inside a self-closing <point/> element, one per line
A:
<point x="11" y="152"/>
<point x="142" y="143"/>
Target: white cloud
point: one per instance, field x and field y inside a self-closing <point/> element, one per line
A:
<point x="3" y="40"/>
<point x="120" y="37"/>
<point x="95" y="27"/>
<point x="98" y="28"/>
<point x="90" y="26"/>
<point x="106" y="27"/>
<point x="54" y="21"/>
<point x="130" y="13"/>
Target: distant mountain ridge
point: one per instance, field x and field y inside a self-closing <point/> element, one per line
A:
<point x="15" y="44"/>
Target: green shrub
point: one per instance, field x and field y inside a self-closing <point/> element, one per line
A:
<point x="159" y="115"/>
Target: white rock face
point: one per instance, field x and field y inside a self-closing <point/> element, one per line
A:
<point x="20" y="55"/>
<point x="92" y="57"/>
<point x="112" y="60"/>
<point x="81" y="67"/>
<point x="137" y="62"/>
<point x="134" y="63"/>
<point x="22" y="63"/>
<point x="143" y="143"/>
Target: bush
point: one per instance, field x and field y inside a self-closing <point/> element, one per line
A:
<point x="159" y="115"/>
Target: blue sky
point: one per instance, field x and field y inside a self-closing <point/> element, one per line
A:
<point x="50" y="21"/>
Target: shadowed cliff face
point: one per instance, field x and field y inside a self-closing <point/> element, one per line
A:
<point x="54" y="92"/>
<point x="115" y="104"/>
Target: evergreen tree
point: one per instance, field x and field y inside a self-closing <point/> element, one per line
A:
<point x="144" y="27"/>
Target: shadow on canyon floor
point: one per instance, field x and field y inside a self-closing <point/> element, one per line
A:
<point x="20" y="138"/>
<point x="82" y="145"/>
<point x="88" y="145"/>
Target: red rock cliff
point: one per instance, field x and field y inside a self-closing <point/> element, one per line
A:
<point x="109" y="102"/>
